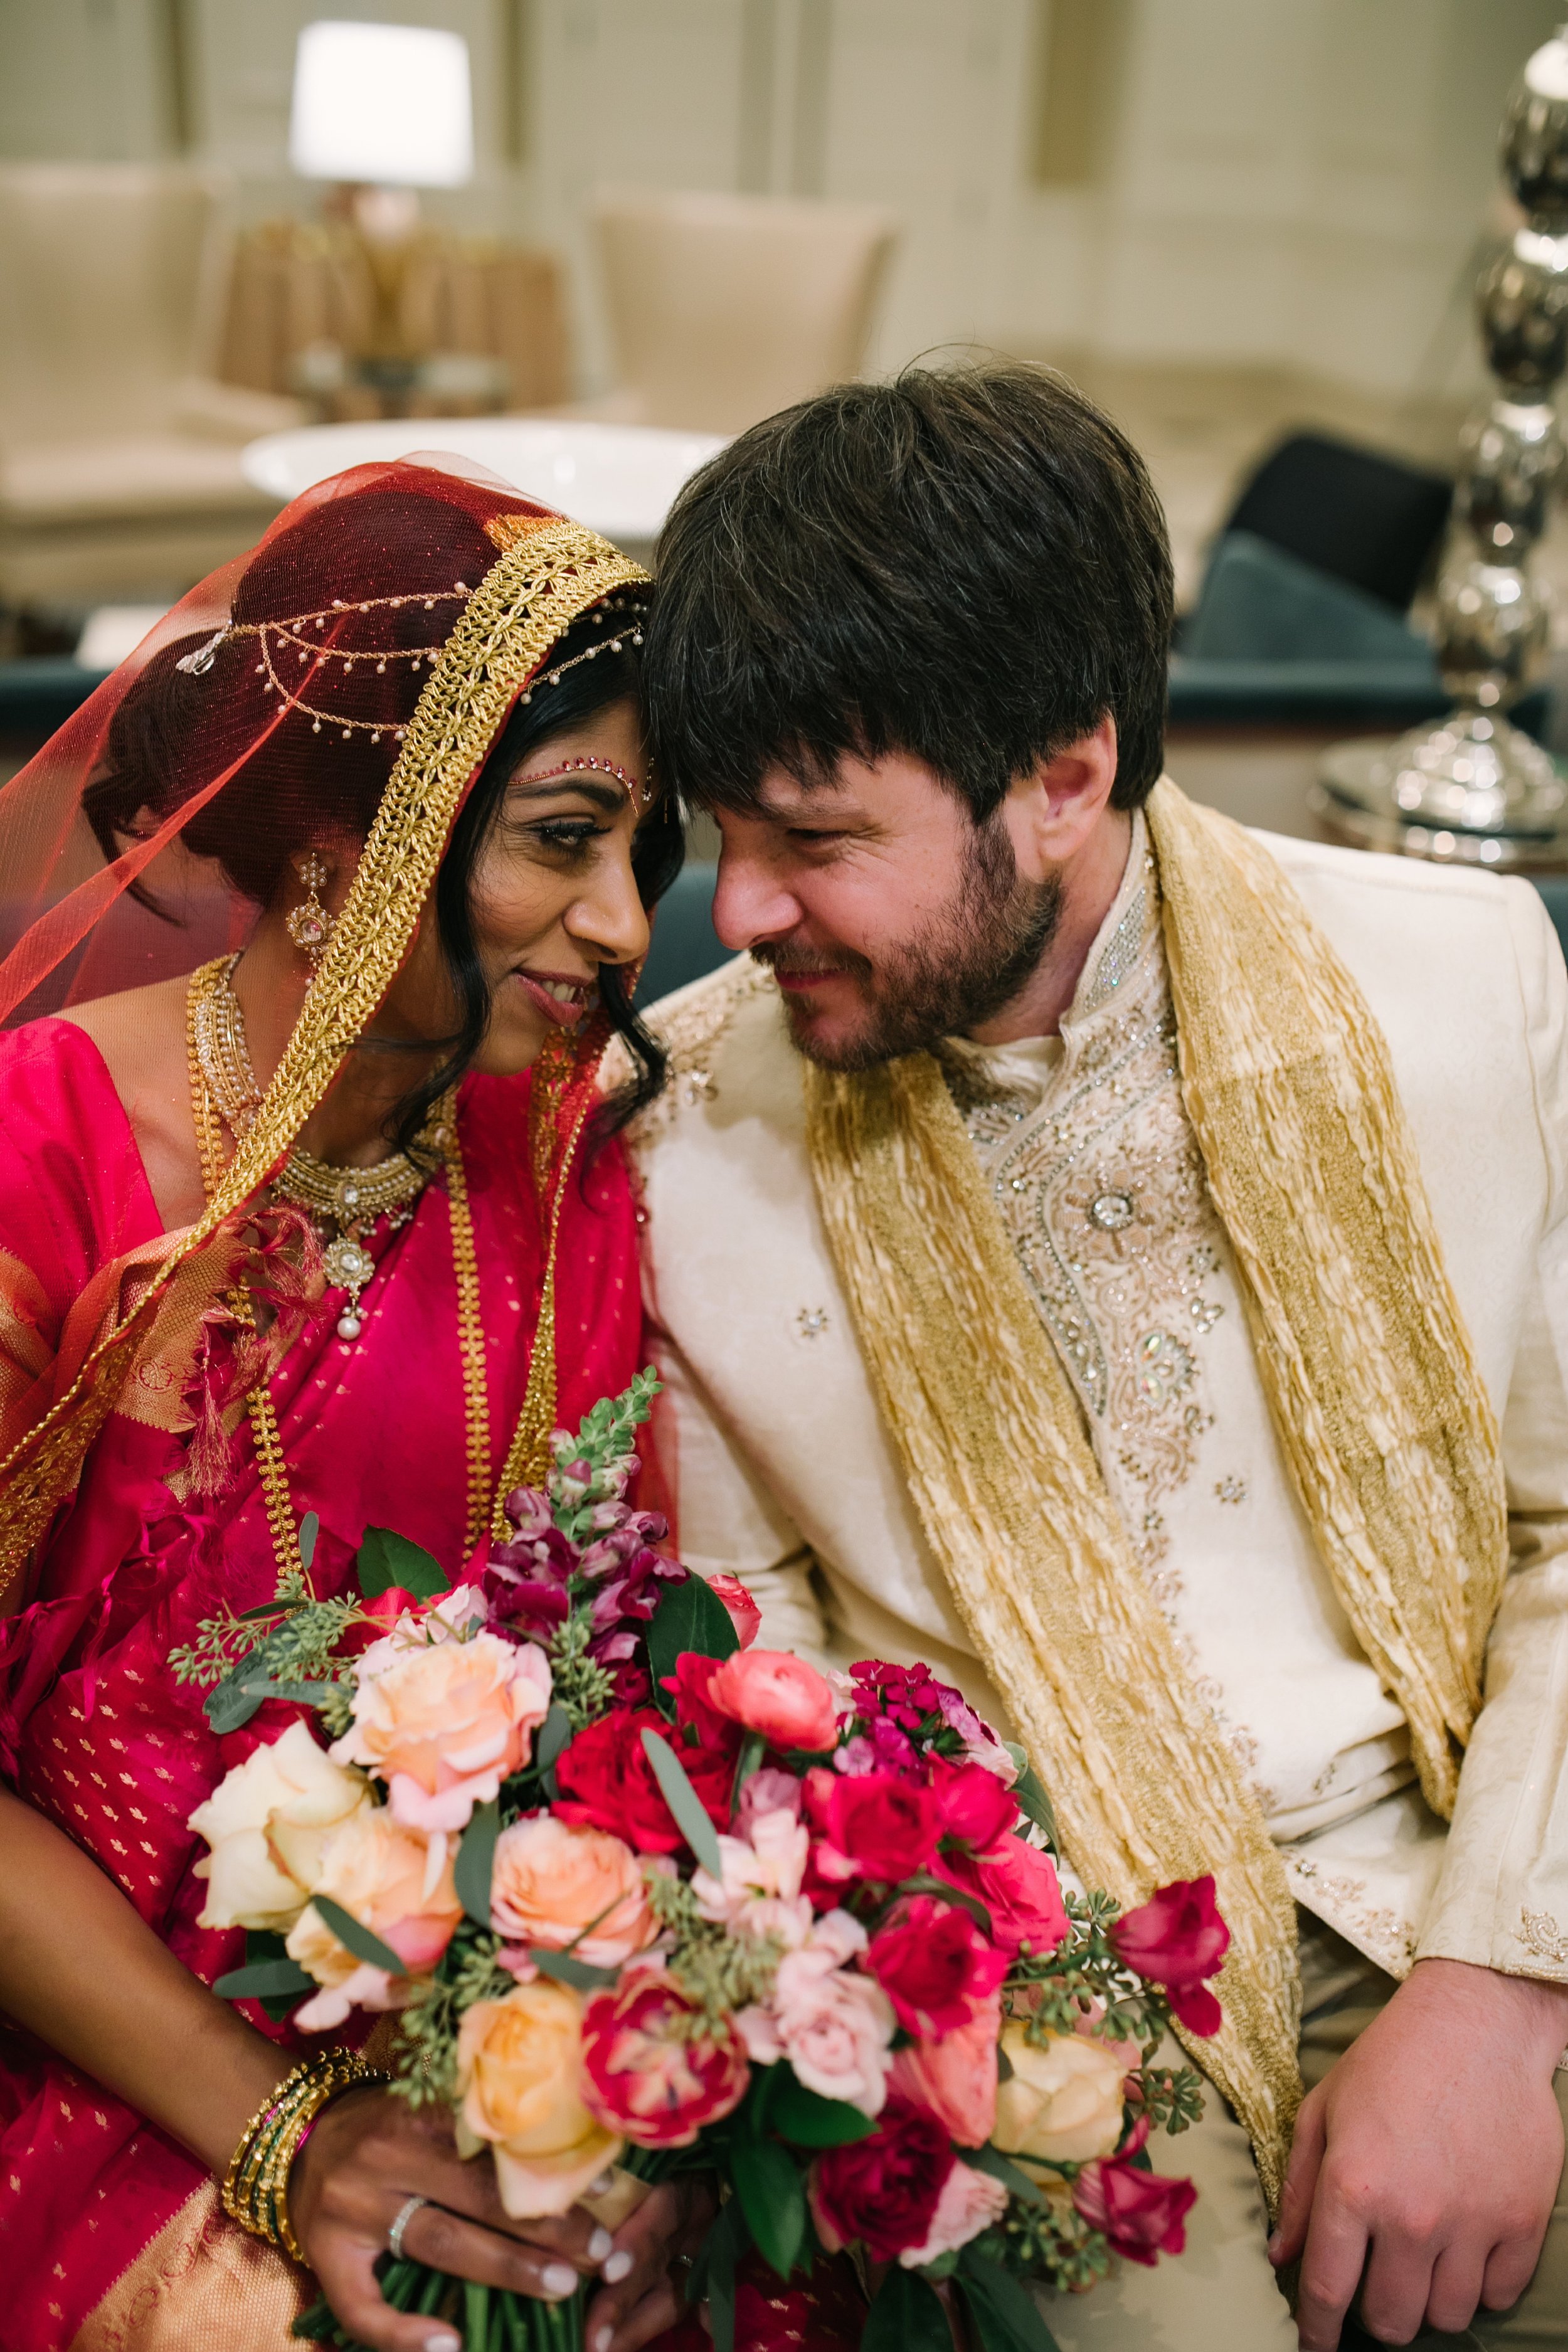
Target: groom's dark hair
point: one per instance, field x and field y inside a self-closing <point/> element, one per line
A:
<point x="968" y="564"/>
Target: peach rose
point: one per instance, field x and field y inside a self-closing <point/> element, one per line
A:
<point x="519" y="2072"/>
<point x="393" y="1881"/>
<point x="956" y="2078"/>
<point x="444" y="1722"/>
<point x="550" y="1881"/>
<point x="777" y="1693"/>
<point x="1063" y="2101"/>
<point x="268" y="1823"/>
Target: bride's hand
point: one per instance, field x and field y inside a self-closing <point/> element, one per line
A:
<point x="366" y="2156"/>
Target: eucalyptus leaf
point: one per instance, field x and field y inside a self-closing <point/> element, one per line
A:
<point x="906" y="2317"/>
<point x="772" y="2196"/>
<point x="690" y="1617"/>
<point x="309" y="1529"/>
<point x="360" y="1941"/>
<point x="476" y="1859"/>
<point x="554" y="1736"/>
<point x="567" y="1969"/>
<point x="1029" y="1793"/>
<point x="682" y="1799"/>
<point x="809" y="2120"/>
<point x="228" y="1704"/>
<point x="260" y="1979"/>
<point x="385" y="1559"/>
<point x="260" y="1687"/>
<point x="1003" y="2169"/>
<point x="1005" y="2315"/>
<point x="713" y="2279"/>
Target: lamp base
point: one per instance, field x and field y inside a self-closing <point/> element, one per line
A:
<point x="1473" y="791"/>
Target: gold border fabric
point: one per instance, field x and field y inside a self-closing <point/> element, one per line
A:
<point x="1368" y="1372"/>
<point x="201" y="2285"/>
<point x="525" y="602"/>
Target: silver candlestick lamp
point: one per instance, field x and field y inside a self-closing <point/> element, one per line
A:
<point x="1475" y="789"/>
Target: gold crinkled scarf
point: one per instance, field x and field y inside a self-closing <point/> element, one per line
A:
<point x="1371" y="1382"/>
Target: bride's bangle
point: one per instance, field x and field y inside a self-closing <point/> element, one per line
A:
<point x="256" y="2186"/>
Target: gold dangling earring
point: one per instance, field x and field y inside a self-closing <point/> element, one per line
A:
<point x="310" y="925"/>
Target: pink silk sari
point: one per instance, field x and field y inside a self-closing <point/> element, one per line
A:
<point x="94" y="1731"/>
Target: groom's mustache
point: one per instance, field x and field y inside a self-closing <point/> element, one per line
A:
<point x="805" y="963"/>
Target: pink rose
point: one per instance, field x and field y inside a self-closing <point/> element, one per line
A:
<point x="742" y="1609"/>
<point x="444" y="1723"/>
<point x="976" y="1807"/>
<point x="1142" y="2214"/>
<point x="553" y="1884"/>
<point x="834" y="2025"/>
<point x="767" y="1791"/>
<point x="776" y="1694"/>
<point x="879" y="1825"/>
<point x="1175" y="1940"/>
<point x="649" y="2071"/>
<point x="397" y="1883"/>
<point x="759" y="1893"/>
<point x="956" y="2079"/>
<point x="935" y="1966"/>
<point x="1020" y="1889"/>
<point x="970" y="2201"/>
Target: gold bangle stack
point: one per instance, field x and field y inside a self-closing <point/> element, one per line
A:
<point x="256" y="2186"/>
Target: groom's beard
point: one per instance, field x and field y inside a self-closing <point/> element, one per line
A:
<point x="960" y="970"/>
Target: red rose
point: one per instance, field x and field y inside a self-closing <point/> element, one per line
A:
<point x="887" y="1827"/>
<point x="1175" y="1940"/>
<point x="936" y="1966"/>
<point x="1020" y="1888"/>
<point x="644" y="2074"/>
<point x="1142" y="2214"/>
<point x="882" y="2190"/>
<point x="606" y="1781"/>
<point x="975" y="1806"/>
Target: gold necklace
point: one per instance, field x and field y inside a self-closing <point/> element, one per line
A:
<point x="211" y="1116"/>
<point x="351" y="1198"/>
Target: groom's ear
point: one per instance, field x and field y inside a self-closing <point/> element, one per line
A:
<point x="1056" y="807"/>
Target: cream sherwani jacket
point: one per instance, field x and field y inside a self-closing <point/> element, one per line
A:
<point x="785" y="1476"/>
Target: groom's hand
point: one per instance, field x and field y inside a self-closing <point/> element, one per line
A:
<point x="1426" y="2164"/>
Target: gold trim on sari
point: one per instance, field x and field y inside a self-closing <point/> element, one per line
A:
<point x="202" y="2285"/>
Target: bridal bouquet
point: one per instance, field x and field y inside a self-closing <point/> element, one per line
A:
<point x="649" y="1899"/>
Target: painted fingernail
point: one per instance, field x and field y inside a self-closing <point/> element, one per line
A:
<point x="558" y="2278"/>
<point x="599" y="2244"/>
<point x="1275" y="2242"/>
<point x="613" y="2269"/>
<point x="605" y="2338"/>
<point x="442" y="2342"/>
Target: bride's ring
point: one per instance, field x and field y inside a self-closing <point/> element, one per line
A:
<point x="405" y="2213"/>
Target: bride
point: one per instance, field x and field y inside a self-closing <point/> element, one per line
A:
<point x="310" y="1219"/>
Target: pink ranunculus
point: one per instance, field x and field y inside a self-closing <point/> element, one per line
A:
<point x="648" y="2071"/>
<point x="935" y="1966"/>
<point x="1142" y="2214"/>
<point x="443" y="1722"/>
<point x="970" y="2201"/>
<point x="740" y="1608"/>
<point x="956" y="2078"/>
<point x="883" y="2191"/>
<point x="776" y="1694"/>
<point x="1020" y="1888"/>
<point x="1175" y="1940"/>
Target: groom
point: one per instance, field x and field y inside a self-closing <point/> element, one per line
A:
<point x="1121" y="1261"/>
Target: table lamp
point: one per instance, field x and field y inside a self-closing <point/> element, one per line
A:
<point x="383" y="110"/>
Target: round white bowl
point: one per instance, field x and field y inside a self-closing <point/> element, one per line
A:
<point x="619" y="479"/>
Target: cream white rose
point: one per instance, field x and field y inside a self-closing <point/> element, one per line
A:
<point x="1063" y="2101"/>
<point x="268" y="1822"/>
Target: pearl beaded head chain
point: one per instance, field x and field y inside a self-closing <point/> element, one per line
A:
<point x="275" y="638"/>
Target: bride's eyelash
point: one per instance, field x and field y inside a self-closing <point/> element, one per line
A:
<point x="568" y="832"/>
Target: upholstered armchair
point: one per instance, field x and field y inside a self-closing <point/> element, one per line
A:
<point x="120" y="472"/>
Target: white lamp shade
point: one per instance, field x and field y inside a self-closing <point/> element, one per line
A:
<point x="389" y="104"/>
